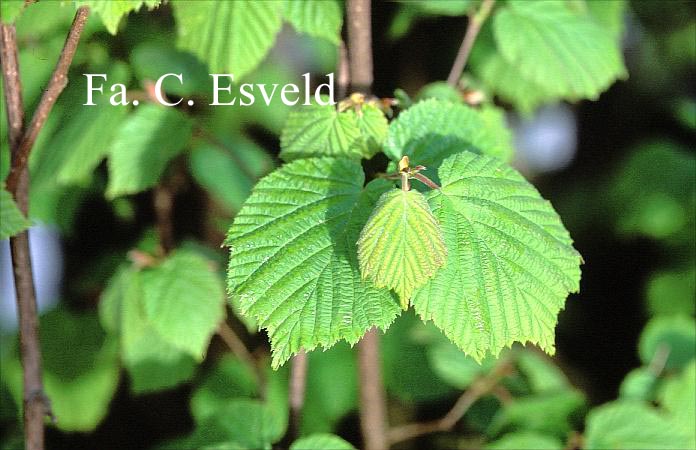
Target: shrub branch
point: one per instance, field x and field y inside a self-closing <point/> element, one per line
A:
<point x="472" y="30"/>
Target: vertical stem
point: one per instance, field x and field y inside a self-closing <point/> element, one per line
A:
<point x="373" y="407"/>
<point x="472" y="30"/>
<point x="35" y="403"/>
<point x="405" y="184"/>
<point x="298" y="382"/>
<point x="360" y="44"/>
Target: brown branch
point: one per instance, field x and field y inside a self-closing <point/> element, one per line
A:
<point x="478" y="389"/>
<point x="373" y="405"/>
<point x="58" y="81"/>
<point x="35" y="402"/>
<point x="343" y="79"/>
<point x="472" y="30"/>
<point x="360" y="44"/>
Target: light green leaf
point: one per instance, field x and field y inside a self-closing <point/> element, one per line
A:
<point x="632" y="426"/>
<point x="183" y="300"/>
<point x="249" y="423"/>
<point x="10" y="10"/>
<point x="231" y="37"/>
<point x="609" y="14"/>
<point x="510" y="262"/>
<point x="558" y="408"/>
<point x="152" y="363"/>
<point x="431" y="130"/>
<point x="315" y="130"/>
<point x="318" y="18"/>
<point x="229" y="379"/>
<point x="541" y="373"/>
<point x="293" y="259"/>
<point x="678" y="396"/>
<point x="675" y="336"/>
<point x="526" y="440"/>
<point x="326" y="401"/>
<point x="568" y="54"/>
<point x="401" y="245"/>
<point x="229" y="175"/>
<point x="672" y="292"/>
<point x="80" y="370"/>
<point x="321" y="441"/>
<point x="12" y="221"/>
<point x="143" y="146"/>
<point x="638" y="384"/>
<point x="111" y="12"/>
<point x="455" y="367"/>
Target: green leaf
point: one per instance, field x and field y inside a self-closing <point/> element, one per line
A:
<point x="231" y="37"/>
<point x="630" y="425"/>
<point x="111" y="12"/>
<point x="568" y="54"/>
<point x="638" y="384"/>
<point x="322" y="441"/>
<point x="510" y="262"/>
<point x="12" y="221"/>
<point x="315" y="130"/>
<point x="673" y="335"/>
<point x="152" y="363"/>
<point x="455" y="367"/>
<point x="150" y="60"/>
<point x="293" y="260"/>
<point x="143" y="146"/>
<point x="10" y="10"/>
<point x="246" y="422"/>
<point x="326" y="401"/>
<point x="541" y="373"/>
<point x="401" y="245"/>
<point x="678" y="396"/>
<point x="608" y="14"/>
<point x="318" y="18"/>
<point x="183" y="301"/>
<point x="525" y="440"/>
<point x="408" y="375"/>
<point x="80" y="369"/>
<point x="226" y="173"/>
<point x="229" y="379"/>
<point x="672" y="292"/>
<point x="559" y="410"/>
<point x="431" y="130"/>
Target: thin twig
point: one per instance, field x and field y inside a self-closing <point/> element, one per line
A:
<point x="478" y="389"/>
<point x="163" y="201"/>
<point x="58" y="81"/>
<point x="236" y="345"/>
<point x="475" y="22"/>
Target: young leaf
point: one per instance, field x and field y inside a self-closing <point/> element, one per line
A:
<point x="232" y="37"/>
<point x="673" y="335"/>
<point x="111" y="12"/>
<point x="632" y="425"/>
<point x="143" y="146"/>
<point x="183" y="300"/>
<point x="525" y="440"/>
<point x="12" y="221"/>
<point x="401" y="245"/>
<point x="321" y="441"/>
<point x="567" y="54"/>
<point x="318" y="18"/>
<point x="293" y="259"/>
<point x="678" y="396"/>
<point x="152" y="363"/>
<point x="431" y="130"/>
<point x="510" y="263"/>
<point x="315" y="131"/>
